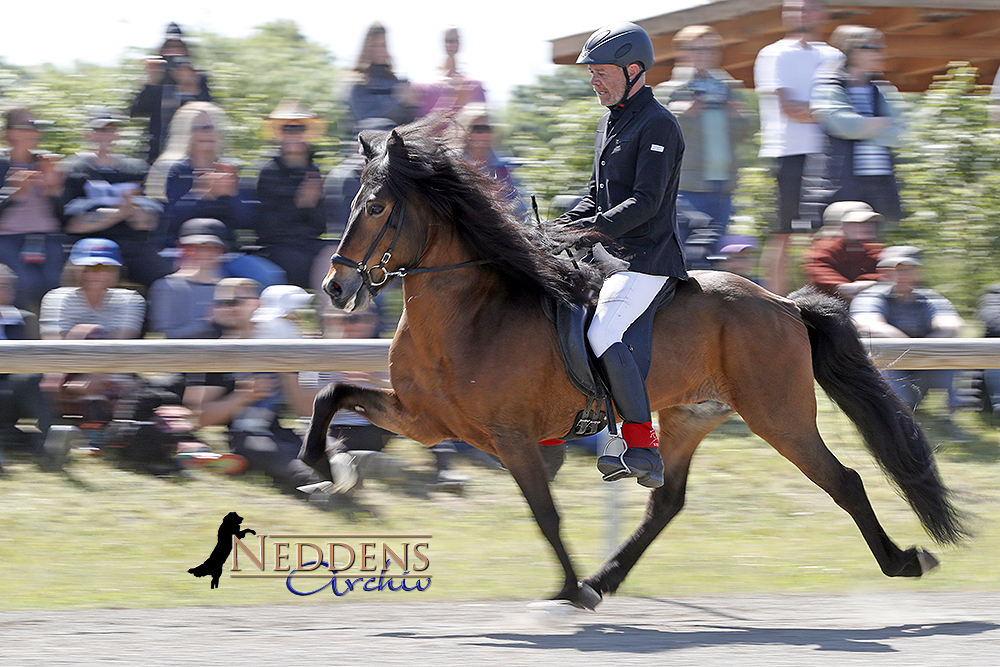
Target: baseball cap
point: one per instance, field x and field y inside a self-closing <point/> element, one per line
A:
<point x="200" y="231"/>
<point x="280" y="300"/>
<point x="91" y="252"/>
<point x="835" y="212"/>
<point x="893" y="256"/>
<point x="861" y="215"/>
<point x="101" y="118"/>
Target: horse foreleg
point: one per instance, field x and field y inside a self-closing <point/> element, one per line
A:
<point x="682" y="428"/>
<point x="379" y="406"/>
<point x="524" y="462"/>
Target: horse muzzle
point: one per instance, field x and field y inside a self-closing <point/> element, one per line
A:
<point x="345" y="287"/>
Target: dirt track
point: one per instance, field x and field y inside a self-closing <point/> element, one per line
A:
<point x="956" y="629"/>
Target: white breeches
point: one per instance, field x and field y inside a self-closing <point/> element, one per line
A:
<point x="624" y="296"/>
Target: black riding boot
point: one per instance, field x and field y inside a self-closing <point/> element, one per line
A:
<point x="628" y="390"/>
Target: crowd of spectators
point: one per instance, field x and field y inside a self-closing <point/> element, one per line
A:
<point x="181" y="244"/>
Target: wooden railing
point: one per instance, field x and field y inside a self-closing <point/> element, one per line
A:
<point x="192" y="356"/>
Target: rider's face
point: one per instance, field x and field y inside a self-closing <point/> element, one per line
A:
<point x="608" y="82"/>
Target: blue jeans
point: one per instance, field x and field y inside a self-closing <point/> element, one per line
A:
<point x="912" y="386"/>
<point x="34" y="278"/>
<point x="717" y="205"/>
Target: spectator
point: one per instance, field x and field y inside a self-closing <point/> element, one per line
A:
<point x="783" y="74"/>
<point x="181" y="303"/>
<point x="994" y="111"/>
<point x="292" y="218"/>
<point x="31" y="239"/>
<point x="171" y="82"/>
<point x="103" y="198"/>
<point x="375" y="90"/>
<point x="452" y="90"/>
<point x="988" y="312"/>
<point x="20" y="393"/>
<point x="862" y="117"/>
<point x="899" y="306"/>
<point x="714" y="120"/>
<point x="200" y="185"/>
<point x="249" y="404"/>
<point x="280" y="311"/>
<point x="476" y="139"/>
<point x="93" y="308"/>
<point x="843" y="258"/>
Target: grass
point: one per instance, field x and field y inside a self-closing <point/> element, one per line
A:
<point x="97" y="536"/>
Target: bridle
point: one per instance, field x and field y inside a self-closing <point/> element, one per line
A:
<point x="370" y="277"/>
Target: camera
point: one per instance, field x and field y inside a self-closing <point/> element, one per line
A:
<point x="175" y="61"/>
<point x="710" y="91"/>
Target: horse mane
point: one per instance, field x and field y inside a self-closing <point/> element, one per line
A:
<point x="413" y="162"/>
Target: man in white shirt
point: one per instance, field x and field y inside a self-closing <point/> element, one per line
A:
<point x="783" y="74"/>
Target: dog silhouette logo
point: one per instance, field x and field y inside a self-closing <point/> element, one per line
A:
<point x="213" y="564"/>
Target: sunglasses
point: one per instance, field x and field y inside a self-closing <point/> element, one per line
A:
<point x="203" y="128"/>
<point x="232" y="303"/>
<point x="481" y="128"/>
<point x="293" y="129"/>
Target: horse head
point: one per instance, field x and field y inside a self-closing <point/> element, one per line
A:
<point x="380" y="238"/>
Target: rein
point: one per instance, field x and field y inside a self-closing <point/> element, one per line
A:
<point x="374" y="284"/>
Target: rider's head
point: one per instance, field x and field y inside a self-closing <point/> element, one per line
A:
<point x="617" y="56"/>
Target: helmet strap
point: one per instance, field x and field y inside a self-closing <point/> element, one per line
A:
<point x="629" y="82"/>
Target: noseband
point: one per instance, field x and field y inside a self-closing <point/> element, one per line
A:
<point x="370" y="277"/>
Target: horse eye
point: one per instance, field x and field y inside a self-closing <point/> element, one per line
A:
<point x="375" y="209"/>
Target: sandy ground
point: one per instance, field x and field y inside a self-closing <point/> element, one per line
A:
<point x="955" y="629"/>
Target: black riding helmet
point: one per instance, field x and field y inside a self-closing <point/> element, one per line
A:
<point x="619" y="44"/>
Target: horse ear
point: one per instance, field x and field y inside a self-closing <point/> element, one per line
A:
<point x="395" y="141"/>
<point x="366" y="141"/>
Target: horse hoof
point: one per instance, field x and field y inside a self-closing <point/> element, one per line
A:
<point x="927" y="561"/>
<point x="587" y="597"/>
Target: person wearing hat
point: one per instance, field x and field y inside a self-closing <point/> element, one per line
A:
<point x="181" y="303"/>
<point x="708" y="104"/>
<point x="844" y="262"/>
<point x="279" y="309"/>
<point x="899" y="306"/>
<point x="171" y="82"/>
<point x="632" y="200"/>
<point x="103" y="198"/>
<point x="292" y="218"/>
<point x="94" y="269"/>
<point x="31" y="238"/>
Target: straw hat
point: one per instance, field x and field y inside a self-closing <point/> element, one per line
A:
<point x="290" y="112"/>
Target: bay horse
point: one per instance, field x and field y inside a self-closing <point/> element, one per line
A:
<point x="475" y="357"/>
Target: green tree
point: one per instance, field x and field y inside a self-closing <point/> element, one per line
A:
<point x="550" y="130"/>
<point x="950" y="174"/>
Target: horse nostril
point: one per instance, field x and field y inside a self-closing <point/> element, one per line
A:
<point x="333" y="288"/>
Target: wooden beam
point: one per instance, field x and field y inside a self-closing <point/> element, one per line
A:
<point x="192" y="356"/>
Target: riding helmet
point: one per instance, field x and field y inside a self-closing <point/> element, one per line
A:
<point x="620" y="44"/>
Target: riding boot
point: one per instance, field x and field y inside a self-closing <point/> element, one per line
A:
<point x="640" y="457"/>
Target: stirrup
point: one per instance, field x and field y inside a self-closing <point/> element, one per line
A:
<point x="612" y="465"/>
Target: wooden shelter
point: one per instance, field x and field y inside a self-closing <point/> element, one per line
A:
<point x="922" y="36"/>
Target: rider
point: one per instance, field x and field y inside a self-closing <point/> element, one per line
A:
<point x="631" y="200"/>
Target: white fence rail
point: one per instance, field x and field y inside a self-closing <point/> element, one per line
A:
<point x="198" y="356"/>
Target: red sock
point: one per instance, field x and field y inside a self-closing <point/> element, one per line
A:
<point x="639" y="435"/>
<point x="553" y="441"/>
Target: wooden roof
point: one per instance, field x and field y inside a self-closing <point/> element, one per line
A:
<point x="922" y="36"/>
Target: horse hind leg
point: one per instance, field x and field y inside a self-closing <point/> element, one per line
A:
<point x="802" y="445"/>
<point x="682" y="428"/>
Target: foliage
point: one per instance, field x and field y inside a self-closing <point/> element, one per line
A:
<point x="248" y="76"/>
<point x="950" y="174"/>
<point x="551" y="127"/>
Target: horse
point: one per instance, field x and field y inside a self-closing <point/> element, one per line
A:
<point x="475" y="357"/>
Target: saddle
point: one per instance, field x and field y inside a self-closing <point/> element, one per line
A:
<point x="582" y="368"/>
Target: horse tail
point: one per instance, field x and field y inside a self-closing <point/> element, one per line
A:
<point x="846" y="373"/>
